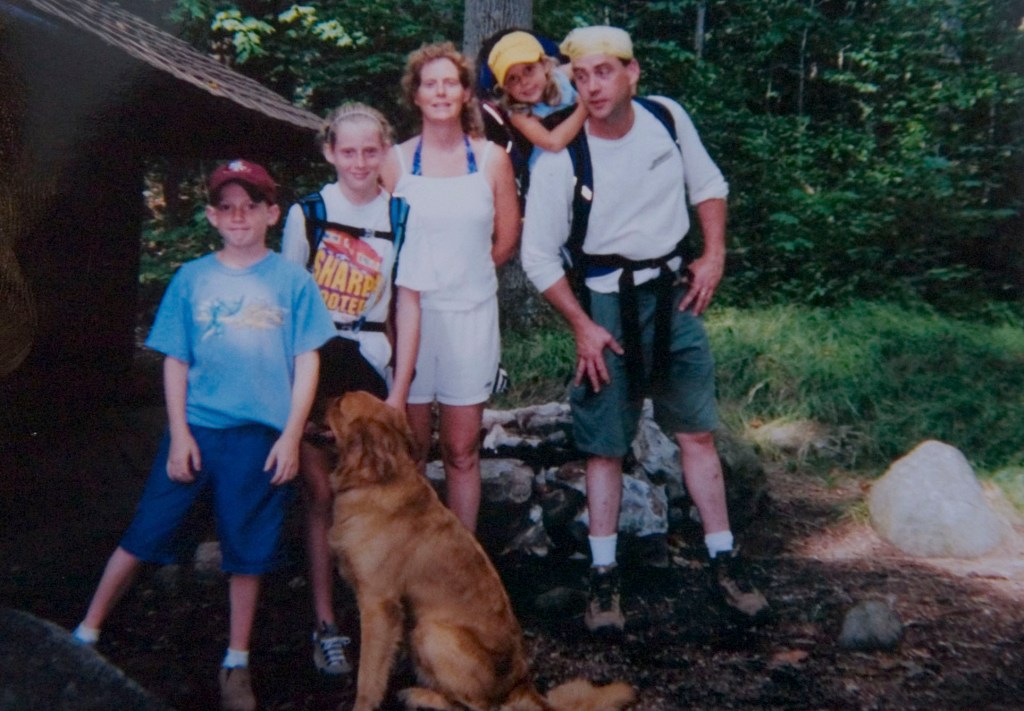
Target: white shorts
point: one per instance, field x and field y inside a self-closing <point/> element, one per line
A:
<point x="458" y="356"/>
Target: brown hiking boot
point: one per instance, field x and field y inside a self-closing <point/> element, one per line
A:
<point x="236" y="689"/>
<point x="603" y="615"/>
<point x="733" y="590"/>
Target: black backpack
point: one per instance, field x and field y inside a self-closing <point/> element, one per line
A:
<point x="583" y="191"/>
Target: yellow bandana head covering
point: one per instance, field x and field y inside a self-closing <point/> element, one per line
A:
<point x="598" y="39"/>
<point x="514" y="48"/>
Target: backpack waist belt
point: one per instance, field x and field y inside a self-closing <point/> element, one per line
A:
<point x="629" y="311"/>
<point x="359" y="326"/>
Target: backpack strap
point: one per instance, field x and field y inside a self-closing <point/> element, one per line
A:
<point x="398" y="210"/>
<point x="315" y="212"/>
<point x="317" y="224"/>
<point x="578" y="262"/>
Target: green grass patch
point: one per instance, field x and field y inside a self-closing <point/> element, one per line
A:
<point x="884" y="377"/>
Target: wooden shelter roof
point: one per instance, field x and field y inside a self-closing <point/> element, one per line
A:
<point x="150" y="44"/>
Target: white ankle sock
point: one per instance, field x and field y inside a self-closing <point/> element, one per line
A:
<point x="602" y="549"/>
<point x="718" y="542"/>
<point x="86" y="635"/>
<point x="236" y="658"/>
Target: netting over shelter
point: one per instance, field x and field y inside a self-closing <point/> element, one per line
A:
<point x="159" y="49"/>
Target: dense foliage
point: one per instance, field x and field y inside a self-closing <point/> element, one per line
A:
<point x="875" y="151"/>
<point x="874" y="148"/>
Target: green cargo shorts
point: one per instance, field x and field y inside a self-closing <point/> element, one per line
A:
<point x="605" y="422"/>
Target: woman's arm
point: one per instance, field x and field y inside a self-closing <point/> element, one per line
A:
<point x="507" y="218"/>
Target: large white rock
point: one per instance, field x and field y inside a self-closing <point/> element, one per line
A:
<point x="929" y="503"/>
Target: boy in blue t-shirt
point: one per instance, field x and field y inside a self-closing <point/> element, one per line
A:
<point x="240" y="330"/>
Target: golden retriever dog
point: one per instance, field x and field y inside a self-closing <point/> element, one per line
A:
<point x="416" y="570"/>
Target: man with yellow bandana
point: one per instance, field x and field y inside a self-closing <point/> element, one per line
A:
<point x="642" y="179"/>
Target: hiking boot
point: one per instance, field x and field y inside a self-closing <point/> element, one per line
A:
<point x="236" y="689"/>
<point x="733" y="590"/>
<point x="603" y="615"/>
<point x="329" y="651"/>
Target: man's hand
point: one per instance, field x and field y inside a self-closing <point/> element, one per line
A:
<point x="591" y="340"/>
<point x="705" y="275"/>
<point x="706" y="272"/>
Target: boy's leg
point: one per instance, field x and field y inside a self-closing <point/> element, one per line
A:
<point x="117" y="578"/>
<point x="236" y="692"/>
<point x="244" y="594"/>
<point x="460" y="452"/>
<point x="152" y="534"/>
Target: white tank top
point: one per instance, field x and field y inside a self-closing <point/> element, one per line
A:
<point x="447" y="251"/>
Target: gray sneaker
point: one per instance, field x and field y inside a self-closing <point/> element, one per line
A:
<point x="732" y="589"/>
<point x="604" y="614"/>
<point x="329" y="651"/>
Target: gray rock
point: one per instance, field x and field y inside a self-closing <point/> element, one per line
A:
<point x="929" y="503"/>
<point x="870" y="625"/>
<point x="43" y="667"/>
<point x="207" y="563"/>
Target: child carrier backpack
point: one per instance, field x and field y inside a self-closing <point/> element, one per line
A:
<point x="497" y="127"/>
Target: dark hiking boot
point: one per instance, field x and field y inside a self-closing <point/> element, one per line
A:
<point x="732" y="590"/>
<point x="604" y="615"/>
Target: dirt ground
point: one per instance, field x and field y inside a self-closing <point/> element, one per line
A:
<point x="70" y="491"/>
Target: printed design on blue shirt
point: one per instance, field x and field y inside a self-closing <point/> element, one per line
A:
<point x="217" y="314"/>
<point x="348" y="272"/>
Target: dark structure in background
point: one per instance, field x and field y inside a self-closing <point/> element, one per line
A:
<point x="89" y="92"/>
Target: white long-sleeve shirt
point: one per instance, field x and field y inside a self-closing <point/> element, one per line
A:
<point x="641" y="184"/>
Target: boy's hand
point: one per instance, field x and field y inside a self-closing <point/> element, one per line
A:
<point x="283" y="459"/>
<point x="183" y="459"/>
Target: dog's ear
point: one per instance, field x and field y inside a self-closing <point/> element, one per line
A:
<point x="373" y="439"/>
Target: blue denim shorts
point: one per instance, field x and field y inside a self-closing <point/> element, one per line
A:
<point x="248" y="510"/>
<point x="605" y="422"/>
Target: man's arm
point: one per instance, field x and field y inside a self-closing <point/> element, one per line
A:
<point x="591" y="339"/>
<point x="707" y="269"/>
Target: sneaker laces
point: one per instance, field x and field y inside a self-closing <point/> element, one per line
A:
<point x="333" y="646"/>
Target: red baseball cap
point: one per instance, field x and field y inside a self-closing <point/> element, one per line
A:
<point x="247" y="173"/>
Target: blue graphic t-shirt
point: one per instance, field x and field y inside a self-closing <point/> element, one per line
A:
<point x="239" y="330"/>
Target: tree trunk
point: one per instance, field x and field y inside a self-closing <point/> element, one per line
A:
<point x="485" y="17"/>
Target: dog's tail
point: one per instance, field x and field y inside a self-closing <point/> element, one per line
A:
<point x="581" y="695"/>
<point x="575" y="695"/>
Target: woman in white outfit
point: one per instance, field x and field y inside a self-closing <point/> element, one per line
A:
<point x="463" y="222"/>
